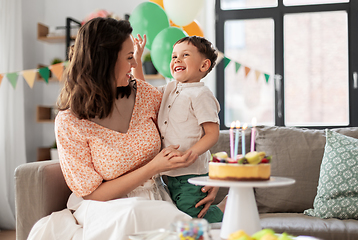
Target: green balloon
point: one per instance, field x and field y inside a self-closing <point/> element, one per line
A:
<point x="148" y="18"/>
<point x="162" y="49"/>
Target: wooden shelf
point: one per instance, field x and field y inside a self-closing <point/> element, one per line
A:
<point x="43" y="153"/>
<point x="153" y="76"/>
<point x="45" y="114"/>
<point x="42" y="32"/>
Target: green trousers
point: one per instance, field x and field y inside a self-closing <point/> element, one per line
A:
<point x="186" y="196"/>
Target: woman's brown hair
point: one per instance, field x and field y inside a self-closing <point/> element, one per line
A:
<point x="90" y="88"/>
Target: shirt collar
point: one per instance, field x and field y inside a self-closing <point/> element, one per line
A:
<point x="185" y="85"/>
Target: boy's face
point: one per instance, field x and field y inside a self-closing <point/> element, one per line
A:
<point x="188" y="64"/>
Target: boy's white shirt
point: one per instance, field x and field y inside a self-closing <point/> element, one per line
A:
<point x="184" y="107"/>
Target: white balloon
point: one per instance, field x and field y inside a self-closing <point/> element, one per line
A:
<point x="182" y="12"/>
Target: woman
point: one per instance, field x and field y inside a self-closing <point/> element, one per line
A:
<point x="108" y="142"/>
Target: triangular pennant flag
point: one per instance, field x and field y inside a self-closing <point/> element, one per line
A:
<point x="1" y="76"/>
<point x="12" y="77"/>
<point x="57" y="70"/>
<point x="45" y="73"/>
<point x="237" y="66"/>
<point x="226" y="62"/>
<point x="257" y="73"/>
<point x="247" y="70"/>
<point x="30" y="76"/>
<point x="267" y="77"/>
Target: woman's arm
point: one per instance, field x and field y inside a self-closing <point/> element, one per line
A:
<point x="124" y="184"/>
<point x="139" y="44"/>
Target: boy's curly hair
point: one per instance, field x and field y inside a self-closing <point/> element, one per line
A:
<point x="204" y="46"/>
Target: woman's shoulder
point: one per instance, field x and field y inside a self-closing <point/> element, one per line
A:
<point x="66" y="115"/>
<point x="147" y="88"/>
<point x="67" y="119"/>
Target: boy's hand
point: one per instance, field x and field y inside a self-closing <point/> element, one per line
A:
<point x="139" y="44"/>
<point x="208" y="200"/>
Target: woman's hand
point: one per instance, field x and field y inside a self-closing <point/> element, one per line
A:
<point x="139" y="44"/>
<point x="208" y="200"/>
<point x="170" y="158"/>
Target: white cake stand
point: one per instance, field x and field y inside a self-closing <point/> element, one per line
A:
<point x="241" y="210"/>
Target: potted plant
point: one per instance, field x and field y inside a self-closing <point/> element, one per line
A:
<point x="148" y="66"/>
<point x="53" y="151"/>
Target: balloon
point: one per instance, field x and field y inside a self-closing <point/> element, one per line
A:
<point x="193" y="29"/>
<point x="162" y="48"/>
<point x="182" y="12"/>
<point x="148" y="18"/>
<point x="159" y="2"/>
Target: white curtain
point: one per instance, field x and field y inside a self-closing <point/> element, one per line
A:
<point x="12" y="131"/>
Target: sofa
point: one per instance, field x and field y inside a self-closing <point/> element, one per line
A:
<point x="296" y="153"/>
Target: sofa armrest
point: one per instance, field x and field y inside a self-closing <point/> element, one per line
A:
<point x="40" y="190"/>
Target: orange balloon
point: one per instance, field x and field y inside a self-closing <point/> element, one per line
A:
<point x="159" y="2"/>
<point x="192" y="29"/>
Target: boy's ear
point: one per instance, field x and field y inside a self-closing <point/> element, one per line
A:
<point x="205" y="65"/>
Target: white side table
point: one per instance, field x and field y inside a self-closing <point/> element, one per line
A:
<point x="241" y="210"/>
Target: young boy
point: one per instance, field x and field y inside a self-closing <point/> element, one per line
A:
<point x="188" y="116"/>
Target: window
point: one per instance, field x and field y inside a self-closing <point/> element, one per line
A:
<point x="247" y="94"/>
<point x="288" y="62"/>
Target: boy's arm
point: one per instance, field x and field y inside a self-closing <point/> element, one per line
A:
<point x="212" y="131"/>
<point x="139" y="44"/>
<point x="211" y="136"/>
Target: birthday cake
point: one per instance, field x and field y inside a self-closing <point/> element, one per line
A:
<point x="254" y="166"/>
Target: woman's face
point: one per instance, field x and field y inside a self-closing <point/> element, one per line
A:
<point x="125" y="63"/>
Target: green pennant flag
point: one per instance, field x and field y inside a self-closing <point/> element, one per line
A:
<point x="267" y="77"/>
<point x="226" y="62"/>
<point x="237" y="66"/>
<point x="12" y="77"/>
<point x="45" y="73"/>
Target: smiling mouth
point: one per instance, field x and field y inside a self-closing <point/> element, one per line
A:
<point x="179" y="69"/>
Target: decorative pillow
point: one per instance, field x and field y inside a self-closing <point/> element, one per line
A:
<point x="296" y="153"/>
<point x="337" y="191"/>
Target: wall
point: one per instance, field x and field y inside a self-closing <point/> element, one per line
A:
<point x="54" y="13"/>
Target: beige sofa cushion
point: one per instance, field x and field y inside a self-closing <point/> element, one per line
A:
<point x="299" y="224"/>
<point x="296" y="153"/>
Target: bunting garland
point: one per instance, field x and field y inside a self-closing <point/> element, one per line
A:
<point x="12" y="77"/>
<point x="57" y="70"/>
<point x="237" y="66"/>
<point x="45" y="73"/>
<point x="226" y="61"/>
<point x="30" y="75"/>
<point x="247" y="69"/>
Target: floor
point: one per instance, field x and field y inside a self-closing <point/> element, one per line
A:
<point x="7" y="235"/>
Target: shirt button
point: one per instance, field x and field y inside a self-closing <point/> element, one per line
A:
<point x="165" y="122"/>
<point x="177" y="92"/>
<point x="169" y="106"/>
<point x="162" y="137"/>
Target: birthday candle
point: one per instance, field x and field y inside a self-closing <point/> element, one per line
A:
<point x="253" y="132"/>
<point x="236" y="139"/>
<point x="243" y="139"/>
<point x="232" y="140"/>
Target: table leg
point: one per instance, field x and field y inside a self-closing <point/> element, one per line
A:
<point x="241" y="212"/>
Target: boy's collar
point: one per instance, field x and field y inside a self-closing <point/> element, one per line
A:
<point x="193" y="84"/>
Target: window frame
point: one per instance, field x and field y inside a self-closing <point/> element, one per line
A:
<point x="277" y="14"/>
